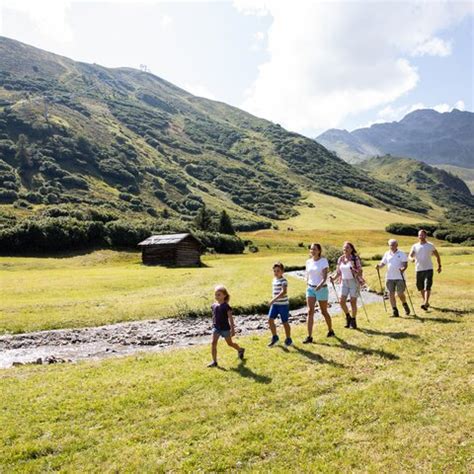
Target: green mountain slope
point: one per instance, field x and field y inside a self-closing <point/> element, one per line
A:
<point x="131" y="141"/>
<point x="441" y="189"/>
<point x="466" y="174"/>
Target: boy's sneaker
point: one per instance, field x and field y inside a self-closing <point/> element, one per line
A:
<point x="274" y="340"/>
<point x="308" y="340"/>
<point x="331" y="333"/>
<point x="212" y="364"/>
<point x="241" y="353"/>
<point x="288" y="341"/>
<point x="406" y="308"/>
<point x="395" y="313"/>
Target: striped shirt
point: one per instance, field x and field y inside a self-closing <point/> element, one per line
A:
<point x="278" y="285"/>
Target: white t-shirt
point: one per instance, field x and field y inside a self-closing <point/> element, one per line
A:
<point x="314" y="270"/>
<point x="394" y="262"/>
<point x="423" y="253"/>
<point x="346" y="271"/>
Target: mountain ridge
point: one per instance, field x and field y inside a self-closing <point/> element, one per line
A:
<point x="80" y="134"/>
<point x="424" y="134"/>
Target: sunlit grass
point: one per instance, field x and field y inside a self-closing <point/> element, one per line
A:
<point x="105" y="287"/>
<point x="395" y="396"/>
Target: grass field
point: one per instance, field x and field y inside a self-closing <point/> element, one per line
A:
<point x="331" y="213"/>
<point x="395" y="396"/>
<point x="105" y="287"/>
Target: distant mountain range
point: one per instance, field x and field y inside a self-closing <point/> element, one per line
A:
<point x="426" y="135"/>
<point x="84" y="135"/>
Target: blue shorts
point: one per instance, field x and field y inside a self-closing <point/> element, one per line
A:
<point x="221" y="332"/>
<point x="282" y="310"/>
<point x="321" y="295"/>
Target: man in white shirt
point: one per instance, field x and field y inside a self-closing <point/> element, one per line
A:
<point x="421" y="254"/>
<point x="397" y="263"/>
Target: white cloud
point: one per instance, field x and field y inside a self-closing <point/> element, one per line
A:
<point x="49" y="16"/>
<point x="166" y="21"/>
<point x="258" y="39"/>
<point x="199" y="90"/>
<point x="433" y="47"/>
<point x="329" y="60"/>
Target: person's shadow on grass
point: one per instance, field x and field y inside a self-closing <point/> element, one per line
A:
<point x="455" y="311"/>
<point x="391" y="335"/>
<point x="245" y="372"/>
<point x="312" y="356"/>
<point x="362" y="350"/>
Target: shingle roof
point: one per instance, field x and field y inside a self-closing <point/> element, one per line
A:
<point x="165" y="239"/>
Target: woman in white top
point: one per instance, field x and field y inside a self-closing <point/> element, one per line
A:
<point x="317" y="268"/>
<point x="349" y="275"/>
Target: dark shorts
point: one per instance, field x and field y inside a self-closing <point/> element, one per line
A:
<point x="282" y="310"/>
<point x="225" y="333"/>
<point x="424" y="280"/>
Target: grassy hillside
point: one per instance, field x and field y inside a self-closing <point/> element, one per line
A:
<point x="128" y="141"/>
<point x="442" y="189"/>
<point x="394" y="396"/>
<point x="466" y="174"/>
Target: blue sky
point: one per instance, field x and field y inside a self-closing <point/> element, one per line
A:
<point x="307" y="65"/>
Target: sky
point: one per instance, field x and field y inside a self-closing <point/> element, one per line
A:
<point x="308" y="65"/>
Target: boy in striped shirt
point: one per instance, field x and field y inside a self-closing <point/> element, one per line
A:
<point x="279" y="305"/>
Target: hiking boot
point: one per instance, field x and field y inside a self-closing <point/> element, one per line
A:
<point x="212" y="364"/>
<point x="241" y="353"/>
<point x="424" y="307"/>
<point x="348" y="321"/>
<point x="274" y="340"/>
<point x="353" y="323"/>
<point x="308" y="340"/>
<point x="395" y="313"/>
<point x="406" y="308"/>
<point x="288" y="342"/>
<point x="330" y="333"/>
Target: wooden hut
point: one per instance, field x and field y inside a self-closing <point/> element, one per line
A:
<point x="181" y="250"/>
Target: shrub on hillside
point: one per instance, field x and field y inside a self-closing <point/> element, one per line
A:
<point x="400" y="228"/>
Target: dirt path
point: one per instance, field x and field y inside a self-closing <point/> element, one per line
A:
<point x="70" y="345"/>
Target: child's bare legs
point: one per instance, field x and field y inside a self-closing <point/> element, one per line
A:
<point x="231" y="343"/>
<point x="311" y="301"/>
<point x="215" y="338"/>
<point x="287" y="330"/>
<point x="272" y="326"/>
<point x="324" y="311"/>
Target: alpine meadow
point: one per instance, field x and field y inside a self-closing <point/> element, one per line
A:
<point x="119" y="355"/>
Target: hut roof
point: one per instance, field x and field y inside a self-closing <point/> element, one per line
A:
<point x="166" y="239"/>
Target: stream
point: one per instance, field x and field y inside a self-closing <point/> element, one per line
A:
<point x="72" y="345"/>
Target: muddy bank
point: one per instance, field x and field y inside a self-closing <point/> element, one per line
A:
<point x="70" y="345"/>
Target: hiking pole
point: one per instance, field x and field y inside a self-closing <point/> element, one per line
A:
<point x="408" y="293"/>
<point x="360" y="294"/>
<point x="362" y="300"/>
<point x="382" y="290"/>
<point x="334" y="286"/>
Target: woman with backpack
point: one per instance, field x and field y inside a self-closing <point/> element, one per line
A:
<point x="349" y="276"/>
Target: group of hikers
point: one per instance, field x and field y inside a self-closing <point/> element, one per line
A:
<point x="348" y="275"/>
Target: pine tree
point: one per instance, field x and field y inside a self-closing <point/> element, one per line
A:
<point x="203" y="219"/>
<point x="225" y="224"/>
<point x="23" y="155"/>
